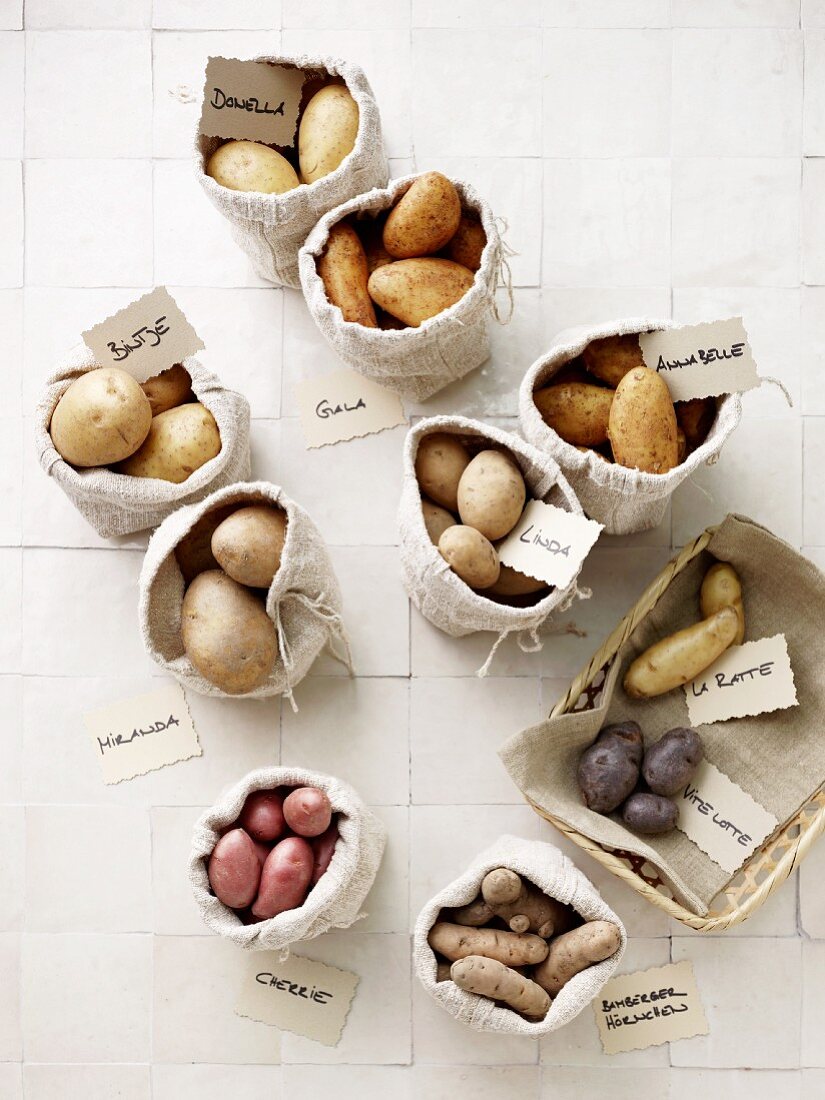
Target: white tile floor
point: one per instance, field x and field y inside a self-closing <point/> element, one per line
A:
<point x="651" y="156"/>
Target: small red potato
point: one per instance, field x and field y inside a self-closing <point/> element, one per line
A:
<point x="262" y="851"/>
<point x="285" y="878"/>
<point x="234" y="869"/>
<point x="263" y="816"/>
<point x="307" y="811"/>
<point x="323" y="847"/>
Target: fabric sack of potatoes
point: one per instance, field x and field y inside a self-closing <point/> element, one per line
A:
<point x="273" y="196"/>
<point x="238" y="594"/>
<point x="625" y="458"/>
<point x="127" y="454"/>
<point x="778" y="758"/>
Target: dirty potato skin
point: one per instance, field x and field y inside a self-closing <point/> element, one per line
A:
<point x="327" y="133"/>
<point x="103" y="417"/>
<point x="574" y="951"/>
<point x="470" y="555"/>
<point x="344" y="273"/>
<point x="417" y="289"/>
<point x="424" y="219"/>
<point x="467" y="243"/>
<point x="179" y="442"/>
<point x="642" y="424"/>
<point x="491" y="494"/>
<point x="168" y="389"/>
<point x="576" y="411"/>
<point x="612" y="357"/>
<point x="440" y="461"/>
<point x="436" y="519"/>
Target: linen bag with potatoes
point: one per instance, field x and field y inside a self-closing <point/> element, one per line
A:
<point x="401" y="282"/>
<point x="465" y="487"/>
<point x="518" y="944"/>
<point x="127" y="454"/>
<point x="238" y="595"/>
<point x="272" y="197"/>
<point x="611" y="425"/>
<point x="285" y="855"/>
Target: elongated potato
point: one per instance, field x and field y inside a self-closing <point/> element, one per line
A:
<point x="180" y="441"/>
<point x="574" y="951"/>
<point x="285" y="878"/>
<point x="576" y="411"/>
<point x="722" y="588"/>
<point x="248" y="544"/>
<point x="168" y="389"/>
<point x="307" y="811"/>
<point x="250" y="166"/>
<point x="491" y="494"/>
<point x="470" y="555"/>
<point x="234" y="869"/>
<point x="642" y="425"/>
<point x="489" y="978"/>
<point x="457" y="941"/>
<point x="103" y="417"/>
<point x="436" y="519"/>
<point x="424" y="218"/>
<point x="371" y="232"/>
<point x="680" y="657"/>
<point x="415" y="290"/>
<point x="612" y="357"/>
<point x="468" y="242"/>
<point x="440" y="461"/>
<point x="344" y="273"/>
<point x="327" y="133"/>
<point x="263" y="815"/>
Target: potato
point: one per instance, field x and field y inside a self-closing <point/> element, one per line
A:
<point x="457" y="941"/>
<point x="470" y="555"/>
<point x="323" y="849"/>
<point x="285" y="878"/>
<point x="371" y="232"/>
<point x="103" y="417"/>
<point x="436" y="519"/>
<point x="248" y="544"/>
<point x="168" y="389"/>
<point x="671" y="762"/>
<point x="234" y="869"/>
<point x="608" y="771"/>
<point x="415" y="290"/>
<point x="344" y="273"/>
<point x="642" y="425"/>
<point x="307" y="811"/>
<point x="424" y="218"/>
<point x="263" y="815"/>
<point x="439" y="463"/>
<point x="467" y="243"/>
<point x="696" y="418"/>
<point x="387" y="322"/>
<point x="179" y="442"/>
<point x="680" y="657"/>
<point x="492" y="979"/>
<point x="612" y="357"/>
<point x="250" y="166"/>
<point x="576" y="411"/>
<point x="227" y="634"/>
<point x="575" y="951"/>
<point x="681" y="446"/>
<point x="491" y="494"/>
<point x="512" y="583"/>
<point x="650" y="814"/>
<point x="327" y="133"/>
<point x="721" y="588"/>
<point x="194" y="551"/>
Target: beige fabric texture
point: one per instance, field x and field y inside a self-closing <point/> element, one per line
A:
<point x="549" y="869"/>
<point x="414" y="362"/>
<point x="624" y="500"/>
<point x="778" y="758"/>
<point x="438" y="593"/>
<point x="271" y="228"/>
<point x="335" y="901"/>
<point x="304" y="599"/>
<point x="115" y="504"/>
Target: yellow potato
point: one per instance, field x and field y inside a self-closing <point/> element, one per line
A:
<point x="179" y="442"/>
<point x="248" y="544"/>
<point x="168" y="389"/>
<point x="696" y="418"/>
<point x="415" y="290"/>
<point x="680" y="657"/>
<point x="576" y="411"/>
<point x="194" y="551"/>
<point x="469" y="555"/>
<point x="512" y="583"/>
<point x="227" y="634"/>
<point x="424" y="218"/>
<point x="468" y="242"/>
<point x="436" y="519"/>
<point x="250" y="166"/>
<point x="722" y="588"/>
<point x="491" y="494"/>
<point x="103" y="417"/>
<point x="371" y="232"/>
<point x="327" y="133"/>
<point x="612" y="357"/>
<point x="439" y="463"/>
<point x="344" y="273"/>
<point x="642" y="427"/>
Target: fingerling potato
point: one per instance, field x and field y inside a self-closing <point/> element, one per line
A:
<point x="722" y="588"/>
<point x="680" y="657"/>
<point x="344" y="273"/>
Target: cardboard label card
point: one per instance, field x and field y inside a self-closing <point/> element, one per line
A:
<point x="702" y="360"/>
<point x="722" y="819"/>
<point x="145" y="338"/>
<point x="251" y="100"/>
<point x="300" y="995"/>
<point x="142" y="734"/>
<point x="345" y="405"/>
<point x="648" y="1008"/>
<point x="548" y="543"/>
<point x="754" y="678"/>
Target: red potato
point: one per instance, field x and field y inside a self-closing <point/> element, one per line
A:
<point x="323" y="847"/>
<point x="307" y="811"/>
<point x="262" y="815"/>
<point x="262" y="851"/>
<point x="234" y="869"/>
<point x="285" y="878"/>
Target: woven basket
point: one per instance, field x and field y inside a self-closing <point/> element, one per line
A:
<point x="769" y="865"/>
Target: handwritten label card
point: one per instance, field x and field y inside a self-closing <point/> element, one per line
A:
<point x="702" y="360"/>
<point x="754" y="678"/>
<point x="142" y="734"/>
<point x="300" y="995"/>
<point x="650" y="1007"/>
<point x="722" y="819"/>
<point x="147" y="337"/>
<point x="345" y="405"/>
<point x="251" y="100"/>
<point x="548" y="543"/>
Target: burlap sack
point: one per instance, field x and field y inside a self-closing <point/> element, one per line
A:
<point x="271" y="228"/>
<point x="624" y="500"/>
<point x="304" y="600"/>
<point x="115" y="504"/>
<point x="414" y="362"/>
<point x="336" y="900"/>
<point x="549" y="869"/>
<point x="777" y="758"/>
<point x="438" y="593"/>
